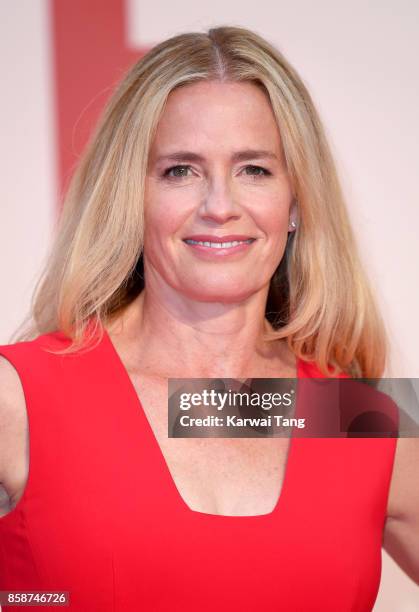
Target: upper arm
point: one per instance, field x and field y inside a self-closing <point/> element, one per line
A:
<point x="401" y="531"/>
<point x="13" y="421"/>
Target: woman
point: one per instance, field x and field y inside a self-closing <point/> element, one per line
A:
<point x="210" y="138"/>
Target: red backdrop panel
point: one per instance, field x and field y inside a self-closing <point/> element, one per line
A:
<point x="90" y="55"/>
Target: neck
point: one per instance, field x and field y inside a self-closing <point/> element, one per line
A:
<point x="181" y="338"/>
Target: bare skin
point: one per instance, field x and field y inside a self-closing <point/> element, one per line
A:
<point x="204" y="317"/>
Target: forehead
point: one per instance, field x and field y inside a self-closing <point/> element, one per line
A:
<point x="211" y="112"/>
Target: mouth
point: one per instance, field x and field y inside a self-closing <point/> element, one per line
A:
<point x="218" y="248"/>
<point x="217" y="244"/>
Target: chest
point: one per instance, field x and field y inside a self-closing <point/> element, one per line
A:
<point x="232" y="476"/>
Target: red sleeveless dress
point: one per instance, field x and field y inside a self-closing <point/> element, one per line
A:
<point x="102" y="518"/>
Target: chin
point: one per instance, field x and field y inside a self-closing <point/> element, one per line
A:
<point x="216" y="294"/>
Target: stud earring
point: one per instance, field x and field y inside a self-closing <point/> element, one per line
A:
<point x="293" y="224"/>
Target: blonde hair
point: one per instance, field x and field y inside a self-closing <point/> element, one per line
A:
<point x="320" y="299"/>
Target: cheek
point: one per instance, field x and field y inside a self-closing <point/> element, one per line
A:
<point x="160" y="217"/>
<point x="272" y="216"/>
<point x="270" y="206"/>
<point x="162" y="227"/>
<point x="165" y="209"/>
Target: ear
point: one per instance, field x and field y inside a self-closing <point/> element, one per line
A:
<point x="293" y="216"/>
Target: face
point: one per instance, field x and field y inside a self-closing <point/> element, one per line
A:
<point x="216" y="174"/>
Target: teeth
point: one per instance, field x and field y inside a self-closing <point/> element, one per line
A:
<point x="220" y="245"/>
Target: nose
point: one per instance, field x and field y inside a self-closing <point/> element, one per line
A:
<point x="219" y="203"/>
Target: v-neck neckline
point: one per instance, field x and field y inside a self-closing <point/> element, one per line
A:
<point x="128" y="387"/>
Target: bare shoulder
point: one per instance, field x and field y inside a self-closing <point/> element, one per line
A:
<point x="401" y="530"/>
<point x="403" y="498"/>
<point x="13" y="418"/>
<point x="11" y="390"/>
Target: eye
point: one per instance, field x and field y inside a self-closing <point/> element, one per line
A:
<point x="180" y="171"/>
<point x="175" y="176"/>
<point x="265" y="172"/>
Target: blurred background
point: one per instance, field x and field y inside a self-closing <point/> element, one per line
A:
<point x="62" y="58"/>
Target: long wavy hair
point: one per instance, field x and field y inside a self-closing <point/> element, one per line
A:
<point x="319" y="299"/>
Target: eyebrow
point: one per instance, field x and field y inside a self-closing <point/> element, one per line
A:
<point x="238" y="156"/>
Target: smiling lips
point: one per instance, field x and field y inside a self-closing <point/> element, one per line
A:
<point x="219" y="246"/>
<point x="229" y="241"/>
